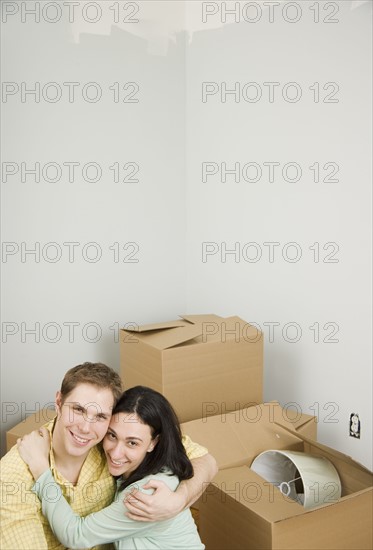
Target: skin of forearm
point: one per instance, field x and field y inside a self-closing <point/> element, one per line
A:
<point x="205" y="469"/>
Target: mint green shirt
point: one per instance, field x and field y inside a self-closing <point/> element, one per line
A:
<point x="112" y="525"/>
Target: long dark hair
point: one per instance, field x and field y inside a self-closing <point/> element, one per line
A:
<point x="155" y="411"/>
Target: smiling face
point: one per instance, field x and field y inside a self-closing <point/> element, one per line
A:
<point x="126" y="443"/>
<point x="83" y="419"/>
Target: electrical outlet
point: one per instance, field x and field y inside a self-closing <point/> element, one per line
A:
<point x="354" y="425"/>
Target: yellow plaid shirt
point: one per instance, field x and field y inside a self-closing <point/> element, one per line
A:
<point x="22" y="524"/>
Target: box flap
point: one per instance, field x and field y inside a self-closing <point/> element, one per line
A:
<point x="223" y="329"/>
<point x="153" y="326"/>
<point x="253" y="492"/>
<point x="209" y="328"/>
<point x="238" y="437"/>
<point x="293" y="419"/>
<point x="203" y="318"/>
<point x="167" y="337"/>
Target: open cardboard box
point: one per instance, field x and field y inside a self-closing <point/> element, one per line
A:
<point x="203" y="364"/>
<point x="240" y="510"/>
<point x="229" y="448"/>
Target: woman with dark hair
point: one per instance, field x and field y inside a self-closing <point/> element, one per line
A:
<point x="143" y="441"/>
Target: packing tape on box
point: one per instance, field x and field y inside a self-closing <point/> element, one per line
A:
<point x="307" y="479"/>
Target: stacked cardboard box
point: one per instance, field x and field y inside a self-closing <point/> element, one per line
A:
<point x="211" y="370"/>
<point x="203" y="364"/>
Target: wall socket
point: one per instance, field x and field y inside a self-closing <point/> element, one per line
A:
<point x="354" y="425"/>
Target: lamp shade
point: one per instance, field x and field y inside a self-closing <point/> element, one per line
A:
<point x="309" y="480"/>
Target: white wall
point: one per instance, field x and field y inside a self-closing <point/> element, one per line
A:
<point x="98" y="297"/>
<point x="326" y="373"/>
<point x="171" y="212"/>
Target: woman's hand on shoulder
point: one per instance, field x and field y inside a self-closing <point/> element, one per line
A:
<point x="34" y="450"/>
<point x="162" y="504"/>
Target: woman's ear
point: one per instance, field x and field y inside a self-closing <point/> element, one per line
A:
<point x="153" y="444"/>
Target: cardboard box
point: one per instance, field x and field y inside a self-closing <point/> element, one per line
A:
<point x="203" y="364"/>
<point x="241" y="511"/>
<point x="204" y="431"/>
<point x="233" y="437"/>
<point x="32" y="422"/>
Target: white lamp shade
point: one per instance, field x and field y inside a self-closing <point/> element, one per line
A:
<point x="309" y="480"/>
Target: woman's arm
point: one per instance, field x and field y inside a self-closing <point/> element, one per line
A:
<point x="72" y="531"/>
<point x="34" y="450"/>
<point x="164" y="504"/>
<point x="205" y="469"/>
